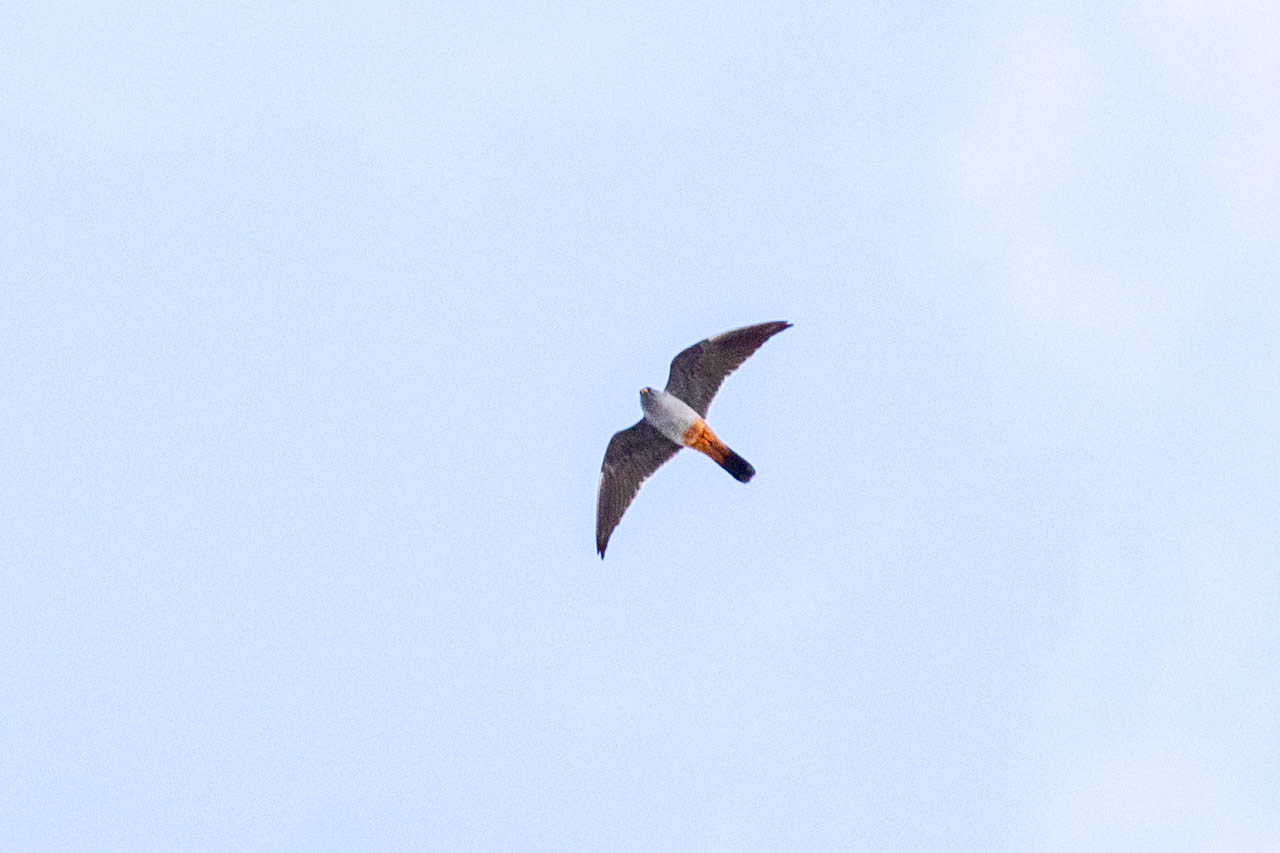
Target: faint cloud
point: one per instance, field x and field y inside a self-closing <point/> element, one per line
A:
<point x="537" y="52"/>
<point x="1159" y="791"/>
<point x="1183" y="756"/>
<point x="1114" y="172"/>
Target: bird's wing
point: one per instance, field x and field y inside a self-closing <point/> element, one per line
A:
<point x="697" y="372"/>
<point x="633" y="454"/>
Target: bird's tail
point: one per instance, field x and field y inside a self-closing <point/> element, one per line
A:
<point x="737" y="466"/>
<point x="701" y="438"/>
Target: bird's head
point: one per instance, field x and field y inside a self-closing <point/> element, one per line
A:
<point x="648" y="398"/>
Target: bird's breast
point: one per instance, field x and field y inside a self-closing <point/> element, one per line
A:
<point x="670" y="415"/>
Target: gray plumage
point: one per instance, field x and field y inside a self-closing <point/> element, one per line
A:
<point x="634" y="453"/>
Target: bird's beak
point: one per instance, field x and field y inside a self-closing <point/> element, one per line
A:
<point x="644" y="390"/>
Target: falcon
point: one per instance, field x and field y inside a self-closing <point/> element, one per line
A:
<point x="675" y="418"/>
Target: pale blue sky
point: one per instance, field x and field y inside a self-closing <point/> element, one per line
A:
<point x="315" y="320"/>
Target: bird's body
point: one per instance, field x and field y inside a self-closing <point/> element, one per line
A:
<point x="675" y="418"/>
<point x="669" y="415"/>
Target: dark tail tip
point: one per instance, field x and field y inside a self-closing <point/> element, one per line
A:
<point x="737" y="466"/>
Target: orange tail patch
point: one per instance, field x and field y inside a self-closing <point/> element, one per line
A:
<point x="702" y="439"/>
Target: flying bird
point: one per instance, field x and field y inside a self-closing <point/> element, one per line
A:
<point x="675" y="418"/>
